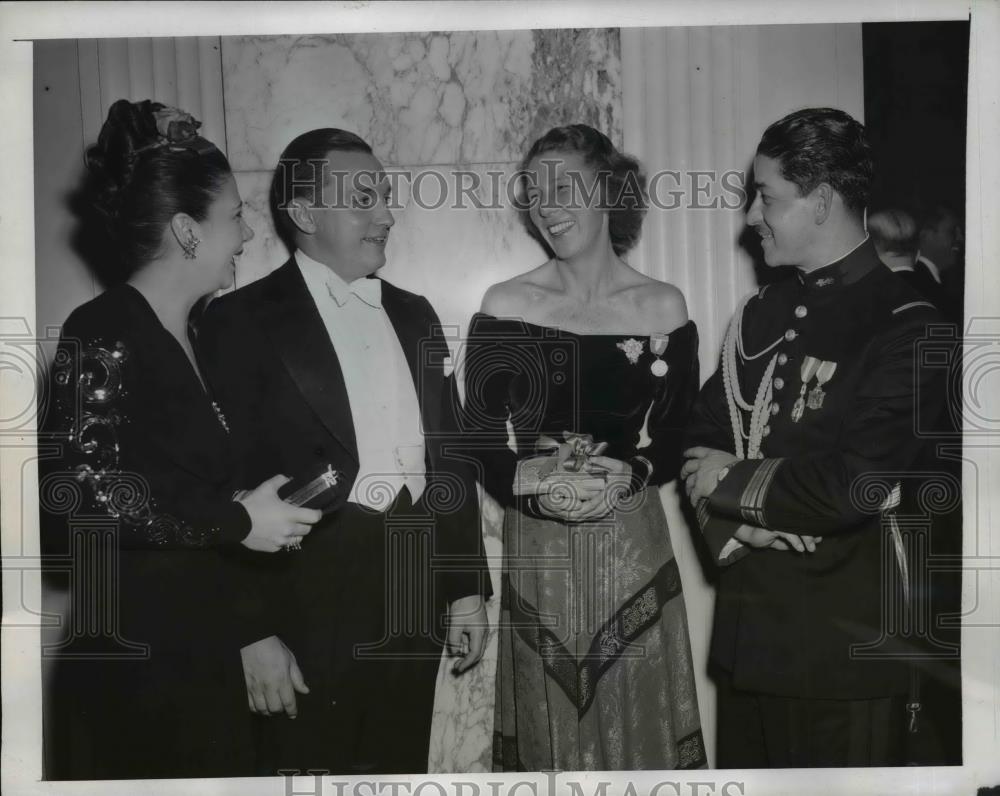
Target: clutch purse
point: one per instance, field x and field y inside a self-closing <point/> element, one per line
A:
<point x="313" y="492"/>
<point x="539" y="475"/>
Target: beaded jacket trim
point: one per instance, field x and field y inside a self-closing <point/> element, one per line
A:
<point x="95" y="414"/>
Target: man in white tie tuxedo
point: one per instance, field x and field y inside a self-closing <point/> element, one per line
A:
<point x="322" y="364"/>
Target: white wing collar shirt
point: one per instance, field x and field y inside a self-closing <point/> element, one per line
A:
<point x="931" y="267"/>
<point x="384" y="405"/>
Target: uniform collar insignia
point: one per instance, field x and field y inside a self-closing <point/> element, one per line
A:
<point x="848" y="269"/>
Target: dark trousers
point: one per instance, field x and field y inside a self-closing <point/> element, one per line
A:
<point x="368" y="641"/>
<point x="763" y="731"/>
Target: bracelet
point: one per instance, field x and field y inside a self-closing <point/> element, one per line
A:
<point x="638" y="483"/>
<point x="532" y="505"/>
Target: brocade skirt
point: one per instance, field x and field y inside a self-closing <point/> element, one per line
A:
<point x="595" y="669"/>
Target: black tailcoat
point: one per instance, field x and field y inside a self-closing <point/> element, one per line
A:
<point x="277" y="375"/>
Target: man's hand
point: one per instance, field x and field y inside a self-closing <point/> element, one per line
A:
<point x="778" y="540"/>
<point x="272" y="677"/>
<point x="700" y="472"/>
<point x="468" y="628"/>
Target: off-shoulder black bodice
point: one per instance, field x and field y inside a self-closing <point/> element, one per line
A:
<point x="547" y="380"/>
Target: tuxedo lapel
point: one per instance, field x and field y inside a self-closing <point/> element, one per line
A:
<point x="293" y="322"/>
<point x="423" y="352"/>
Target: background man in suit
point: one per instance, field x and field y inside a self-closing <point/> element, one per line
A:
<point x="939" y="259"/>
<point x="322" y="364"/>
<point x="798" y="437"/>
<point x="894" y="233"/>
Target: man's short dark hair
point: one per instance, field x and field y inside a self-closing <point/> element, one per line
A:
<point x="299" y="171"/>
<point x="818" y="145"/>
<point x="930" y="216"/>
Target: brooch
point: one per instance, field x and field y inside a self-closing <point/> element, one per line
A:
<point x="633" y="349"/>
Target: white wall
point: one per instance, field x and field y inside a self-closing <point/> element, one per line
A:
<point x="62" y="279"/>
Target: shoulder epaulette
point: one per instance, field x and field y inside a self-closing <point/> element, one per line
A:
<point x="912" y="305"/>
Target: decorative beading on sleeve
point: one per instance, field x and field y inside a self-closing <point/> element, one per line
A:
<point x="92" y="399"/>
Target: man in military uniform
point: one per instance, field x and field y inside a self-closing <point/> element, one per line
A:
<point x="796" y="443"/>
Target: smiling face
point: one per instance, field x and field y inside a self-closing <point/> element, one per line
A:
<point x="222" y="234"/>
<point x="565" y="204"/>
<point x="351" y="232"/>
<point x="785" y="221"/>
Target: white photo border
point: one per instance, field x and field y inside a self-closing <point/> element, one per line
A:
<point x="20" y="23"/>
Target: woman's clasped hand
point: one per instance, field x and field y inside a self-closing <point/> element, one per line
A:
<point x="584" y="500"/>
<point x="275" y="524"/>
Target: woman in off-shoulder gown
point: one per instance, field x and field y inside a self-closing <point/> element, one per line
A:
<point x="595" y="668"/>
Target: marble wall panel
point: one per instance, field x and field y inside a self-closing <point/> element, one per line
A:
<point x="265" y="251"/>
<point x="454" y="253"/>
<point x="422" y="98"/>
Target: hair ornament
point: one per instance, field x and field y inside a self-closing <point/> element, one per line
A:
<point x="178" y="131"/>
<point x="175" y="125"/>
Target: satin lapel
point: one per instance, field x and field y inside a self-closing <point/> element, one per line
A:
<point x="424" y="354"/>
<point x="294" y="324"/>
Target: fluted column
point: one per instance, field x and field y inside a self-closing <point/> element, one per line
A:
<point x="695" y="101"/>
<point x="184" y="72"/>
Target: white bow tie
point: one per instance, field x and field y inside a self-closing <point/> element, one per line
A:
<point x="368" y="290"/>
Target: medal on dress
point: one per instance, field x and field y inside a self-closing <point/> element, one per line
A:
<point x="824" y="373"/>
<point x="658" y="344"/>
<point x="808" y="369"/>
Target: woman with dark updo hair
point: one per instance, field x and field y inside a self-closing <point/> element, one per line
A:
<point x="595" y="367"/>
<point x="141" y="497"/>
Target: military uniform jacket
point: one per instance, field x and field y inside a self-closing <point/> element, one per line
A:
<point x="815" y="625"/>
